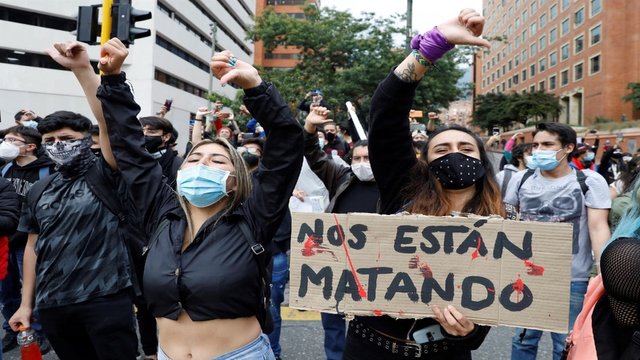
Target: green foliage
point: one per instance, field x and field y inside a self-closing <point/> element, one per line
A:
<point x="346" y="57"/>
<point x="634" y="96"/>
<point x="602" y="120"/>
<point x="503" y="110"/>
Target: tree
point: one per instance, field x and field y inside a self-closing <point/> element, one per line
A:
<point x="502" y="109"/>
<point x="492" y="110"/>
<point x="634" y="96"/>
<point x="346" y="57"/>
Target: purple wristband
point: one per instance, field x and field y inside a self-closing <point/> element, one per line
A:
<point x="432" y="44"/>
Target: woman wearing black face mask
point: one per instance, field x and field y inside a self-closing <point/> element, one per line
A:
<point x="452" y="175"/>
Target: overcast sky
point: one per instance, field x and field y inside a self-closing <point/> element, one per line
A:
<point x="426" y="13"/>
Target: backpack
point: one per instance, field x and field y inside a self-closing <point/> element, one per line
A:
<point x="43" y="172"/>
<point x="580" y="344"/>
<point x="582" y="180"/>
<point x="132" y="233"/>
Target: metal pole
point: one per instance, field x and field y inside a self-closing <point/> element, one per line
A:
<point x="105" y="34"/>
<point x="409" y="23"/>
<point x="214" y="29"/>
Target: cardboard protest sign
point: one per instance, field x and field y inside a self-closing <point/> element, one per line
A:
<point x="495" y="271"/>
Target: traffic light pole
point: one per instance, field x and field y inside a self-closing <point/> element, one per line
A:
<point x="105" y="33"/>
<point x="214" y="30"/>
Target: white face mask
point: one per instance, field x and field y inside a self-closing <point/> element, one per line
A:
<point x="30" y="123"/>
<point x="9" y="151"/>
<point x="362" y="171"/>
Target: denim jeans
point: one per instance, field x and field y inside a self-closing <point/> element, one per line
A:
<point x="258" y="349"/>
<point x="279" y="279"/>
<point x="11" y="291"/>
<point x="334" y="335"/>
<point x="525" y="347"/>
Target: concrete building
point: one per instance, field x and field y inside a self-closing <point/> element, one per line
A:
<point x="583" y="51"/>
<point x="281" y="57"/>
<point x="171" y="64"/>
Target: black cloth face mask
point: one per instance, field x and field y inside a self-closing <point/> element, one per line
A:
<point x="457" y="171"/>
<point x="153" y="143"/>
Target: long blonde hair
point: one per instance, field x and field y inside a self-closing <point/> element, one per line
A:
<point x="243" y="181"/>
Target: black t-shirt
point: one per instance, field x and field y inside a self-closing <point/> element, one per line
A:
<point x="80" y="253"/>
<point x="360" y="196"/>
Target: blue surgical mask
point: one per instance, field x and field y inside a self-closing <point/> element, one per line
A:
<point x="202" y="185"/>
<point x="321" y="143"/>
<point x="545" y="159"/>
<point x="529" y="160"/>
<point x="590" y="156"/>
<point x="30" y="123"/>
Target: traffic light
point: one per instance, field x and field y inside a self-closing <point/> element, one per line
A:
<point x="124" y="18"/>
<point x="88" y="28"/>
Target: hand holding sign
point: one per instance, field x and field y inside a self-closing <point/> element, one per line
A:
<point x="452" y="321"/>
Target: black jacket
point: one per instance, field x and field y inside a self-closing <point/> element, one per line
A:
<point x="392" y="157"/>
<point x="9" y="211"/>
<point x="216" y="276"/>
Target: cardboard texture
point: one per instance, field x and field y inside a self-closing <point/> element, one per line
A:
<point x="403" y="263"/>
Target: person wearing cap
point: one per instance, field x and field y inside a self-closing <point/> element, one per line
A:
<point x="583" y="158"/>
<point x="315" y="97"/>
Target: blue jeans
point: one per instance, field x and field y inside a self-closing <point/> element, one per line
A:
<point x="258" y="349"/>
<point x="11" y="291"/>
<point x="334" y="335"/>
<point x="279" y="279"/>
<point x="524" y="344"/>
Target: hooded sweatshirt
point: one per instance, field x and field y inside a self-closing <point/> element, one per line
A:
<point x="22" y="178"/>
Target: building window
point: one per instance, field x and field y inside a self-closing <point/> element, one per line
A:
<point x="553" y="59"/>
<point x="518" y="22"/>
<point x="565" y="4"/>
<point x="179" y="84"/>
<point x="524" y="55"/>
<point x="532" y="88"/>
<point x="543" y="64"/>
<point x="515" y="79"/>
<point x="534" y="6"/>
<point x="524" y="35"/>
<point x="541" y="86"/>
<point x="552" y="82"/>
<point x="564" y="78"/>
<point x="596" y="6"/>
<point x="534" y="49"/>
<point x="553" y="35"/>
<point x="578" y="72"/>
<point x="510" y="65"/>
<point x="565" y="26"/>
<point x="503" y="86"/>
<point x="517" y="42"/>
<point x="596" y="34"/>
<point x="504" y="69"/>
<point x="517" y="4"/>
<point x="534" y="28"/>
<point x="525" y="16"/>
<point x="543" y="42"/>
<point x="524" y="75"/>
<point x="532" y="70"/>
<point x="509" y="83"/>
<point x="578" y="17"/>
<point x="16" y="57"/>
<point x="269" y="55"/>
<point x="543" y="20"/>
<point x="168" y="45"/>
<point x="594" y="65"/>
<point x="36" y="19"/>
<point x="285" y="2"/>
<point x="221" y="24"/>
<point x="517" y="60"/>
<point x="553" y="11"/>
<point x="564" y="52"/>
<point x="578" y="44"/>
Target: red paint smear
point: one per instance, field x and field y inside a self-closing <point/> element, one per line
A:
<point x="377" y="312"/>
<point x="401" y="313"/>
<point x="426" y="271"/>
<point x="476" y="252"/>
<point x="518" y="287"/>
<point x="310" y="246"/>
<point x="413" y="262"/>
<point x="458" y="286"/>
<point x="361" y="291"/>
<point x="492" y="290"/>
<point x="533" y="269"/>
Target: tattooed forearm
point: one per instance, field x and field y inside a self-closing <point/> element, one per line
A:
<point x="407" y="72"/>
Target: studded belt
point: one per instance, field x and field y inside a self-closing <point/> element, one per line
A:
<point x="391" y="345"/>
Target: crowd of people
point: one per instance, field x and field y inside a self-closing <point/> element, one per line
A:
<point x="106" y="226"/>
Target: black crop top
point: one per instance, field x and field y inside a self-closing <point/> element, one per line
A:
<point x="216" y="277"/>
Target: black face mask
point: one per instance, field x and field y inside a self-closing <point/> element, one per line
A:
<point x="153" y="143"/>
<point x="330" y="137"/>
<point x="97" y="152"/>
<point x="457" y="171"/>
<point x="250" y="159"/>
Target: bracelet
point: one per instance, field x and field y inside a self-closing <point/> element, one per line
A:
<point x="420" y="58"/>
